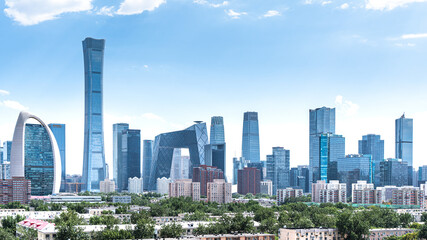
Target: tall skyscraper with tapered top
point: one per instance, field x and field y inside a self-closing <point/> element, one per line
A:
<point x="93" y="156"/>
<point x="250" y="138"/>
<point x="404" y="139"/>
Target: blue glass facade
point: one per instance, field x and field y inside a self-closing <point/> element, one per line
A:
<point x="355" y="167"/>
<point x="404" y="140"/>
<point x="215" y="156"/>
<point x="58" y="131"/>
<point x="39" y="162"/>
<point x="394" y="172"/>
<point x="299" y="178"/>
<point x="372" y="144"/>
<point x="7" y="146"/>
<point x="322" y="121"/>
<point x="130" y="162"/>
<point x="194" y="138"/>
<point x="118" y="129"/>
<point x="217" y="130"/>
<point x="278" y="168"/>
<point x="147" y="158"/>
<point x="93" y="156"/>
<point x="331" y="148"/>
<point x="250" y="139"/>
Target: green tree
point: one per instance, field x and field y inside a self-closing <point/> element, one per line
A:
<point x="122" y="210"/>
<point x="144" y="228"/>
<point x="263" y="213"/>
<point x="108" y="220"/>
<point x="405" y="219"/>
<point x="55" y="207"/>
<point x="6" y="235"/>
<point x="422" y="234"/>
<point x="29" y="234"/>
<point x="113" y="233"/>
<point x="424" y="217"/>
<point x="66" y="226"/>
<point x="39" y="205"/>
<point x="352" y="226"/>
<point x="269" y="225"/>
<point x="9" y="223"/>
<point x="172" y="230"/>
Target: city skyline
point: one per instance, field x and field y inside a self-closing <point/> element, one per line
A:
<point x="368" y="95"/>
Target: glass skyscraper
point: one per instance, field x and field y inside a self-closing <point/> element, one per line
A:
<point x="58" y="131"/>
<point x="195" y="138"/>
<point x="118" y="129"/>
<point x="394" y="172"/>
<point x="93" y="156"/>
<point x="147" y="158"/>
<point x="217" y="130"/>
<point x="322" y="121"/>
<point x="39" y="162"/>
<point x="331" y="148"/>
<point x="215" y="152"/>
<point x="250" y="139"/>
<point x="355" y="167"/>
<point x="129" y="163"/>
<point x="7" y="147"/>
<point x="373" y="145"/>
<point x="404" y="139"/>
<point x="278" y="168"/>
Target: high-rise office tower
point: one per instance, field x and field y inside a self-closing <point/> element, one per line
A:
<point x="118" y="129"/>
<point x="217" y="130"/>
<point x="7" y="147"/>
<point x="58" y="131"/>
<point x="331" y="148"/>
<point x="404" y="133"/>
<point x="147" y="157"/>
<point x="250" y="139"/>
<point x="372" y="144"/>
<point x="299" y="178"/>
<point x="354" y="167"/>
<point x="278" y="168"/>
<point x="130" y="161"/>
<point x="39" y="162"/>
<point x="394" y="172"/>
<point x="93" y="156"/>
<point x="322" y="121"/>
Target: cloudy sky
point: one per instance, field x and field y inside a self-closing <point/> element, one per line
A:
<point x="168" y="63"/>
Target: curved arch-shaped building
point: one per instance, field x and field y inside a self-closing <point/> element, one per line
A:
<point x="17" y="157"/>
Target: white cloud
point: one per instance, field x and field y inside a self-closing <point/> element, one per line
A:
<point x="107" y="11"/>
<point x="235" y="15"/>
<point x="346" y="106"/>
<point x="405" y="44"/>
<point x="308" y="2"/>
<point x="13" y="105"/>
<point x="130" y="7"/>
<point x="4" y="92"/>
<point x="31" y="12"/>
<point x="389" y="4"/>
<point x="272" y="13"/>
<point x="344" y="6"/>
<point x="215" y="5"/>
<point x="152" y="116"/>
<point x="414" y="36"/>
<point x="326" y="3"/>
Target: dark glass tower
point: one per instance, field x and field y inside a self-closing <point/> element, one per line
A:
<point x="404" y="139"/>
<point x="250" y="139"/>
<point x="93" y="156"/>
<point x="39" y="163"/>
<point x="372" y="144"/>
<point x="118" y="129"/>
<point x="217" y="130"/>
<point x="215" y="154"/>
<point x="278" y="168"/>
<point x="322" y="121"/>
<point x="58" y="131"/>
<point x="130" y="161"/>
<point x="147" y="158"/>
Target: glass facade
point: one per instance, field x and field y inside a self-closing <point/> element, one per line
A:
<point x="194" y="138"/>
<point x="322" y="121"/>
<point x="278" y="168"/>
<point x="250" y="139"/>
<point x="39" y="162"/>
<point x="372" y="144"/>
<point x="93" y="156"/>
<point x="331" y="148"/>
<point x="118" y="128"/>
<point x="217" y="130"/>
<point x="7" y="146"/>
<point x="299" y="178"/>
<point x="147" y="158"/>
<point x="404" y="139"/>
<point x="129" y="164"/>
<point x="353" y="168"/>
<point x="394" y="172"/>
<point x="58" y="131"/>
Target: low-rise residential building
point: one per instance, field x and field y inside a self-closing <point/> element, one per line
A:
<point x="219" y="191"/>
<point x="185" y="188"/>
<point x="163" y="185"/>
<point x="333" y="192"/>
<point x="107" y="186"/>
<point x="17" y="189"/>
<point x="122" y="199"/>
<point x="408" y="195"/>
<point x="136" y="185"/>
<point x="242" y="236"/>
<point x="283" y="194"/>
<point x="74" y="199"/>
<point x="332" y="233"/>
<point x="365" y="193"/>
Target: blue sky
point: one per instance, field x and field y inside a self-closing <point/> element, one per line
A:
<point x="168" y="63"/>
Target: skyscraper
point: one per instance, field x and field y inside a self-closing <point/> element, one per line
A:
<point x="354" y="167"/>
<point x="130" y="161"/>
<point x="404" y="133"/>
<point x="394" y="172"/>
<point x="331" y="148"/>
<point x="249" y="181"/>
<point x="373" y="145"/>
<point x="217" y="130"/>
<point x="117" y="145"/>
<point x="147" y="157"/>
<point x="278" y="168"/>
<point x="322" y="121"/>
<point x="58" y="131"/>
<point x="250" y="139"/>
<point x="93" y="156"/>
<point x="7" y="147"/>
<point x="39" y="162"/>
